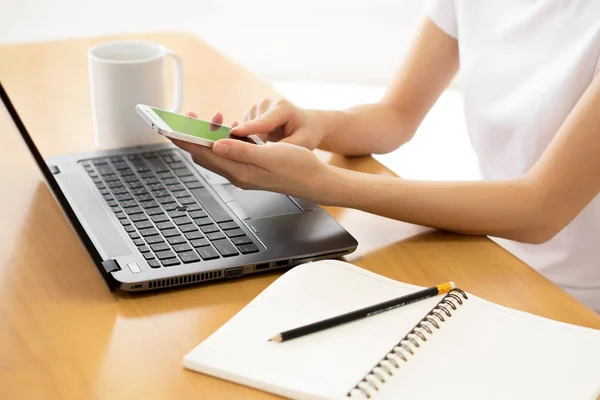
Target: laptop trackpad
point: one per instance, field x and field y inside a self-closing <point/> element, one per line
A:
<point x="260" y="204"/>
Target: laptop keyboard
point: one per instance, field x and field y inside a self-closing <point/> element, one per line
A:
<point x="168" y="213"/>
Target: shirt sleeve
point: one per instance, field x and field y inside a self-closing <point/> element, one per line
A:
<point x="443" y="14"/>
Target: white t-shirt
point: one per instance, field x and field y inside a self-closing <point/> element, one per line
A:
<point x="523" y="66"/>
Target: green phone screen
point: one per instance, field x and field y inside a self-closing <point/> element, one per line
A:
<point x="193" y="127"/>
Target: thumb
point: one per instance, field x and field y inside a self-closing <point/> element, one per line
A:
<point x="301" y="137"/>
<point x="237" y="150"/>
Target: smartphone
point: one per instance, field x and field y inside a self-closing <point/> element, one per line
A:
<point x="182" y="127"/>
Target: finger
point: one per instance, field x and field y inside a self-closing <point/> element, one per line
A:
<point x="215" y="122"/>
<point x="234" y="124"/>
<point x="212" y="163"/>
<point x="229" y="169"/>
<point x="191" y="114"/>
<point x="177" y="142"/>
<point x="251" y="113"/>
<point x="186" y="146"/>
<point x="203" y="156"/>
<point x="217" y="118"/>
<point x="243" y="152"/>
<point x="263" y="106"/>
<point x="267" y="122"/>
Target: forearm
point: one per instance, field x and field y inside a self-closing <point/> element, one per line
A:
<point x="365" y="129"/>
<point x="511" y="209"/>
<point x="386" y="125"/>
<point x="532" y="208"/>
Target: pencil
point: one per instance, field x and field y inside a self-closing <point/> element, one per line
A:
<point x="363" y="312"/>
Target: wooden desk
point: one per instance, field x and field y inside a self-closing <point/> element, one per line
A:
<point x="63" y="335"/>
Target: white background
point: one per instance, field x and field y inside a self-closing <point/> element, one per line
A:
<point x="318" y="53"/>
<point x="333" y="40"/>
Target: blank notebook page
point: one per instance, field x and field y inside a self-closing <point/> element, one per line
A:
<point x="486" y="351"/>
<point x="483" y="351"/>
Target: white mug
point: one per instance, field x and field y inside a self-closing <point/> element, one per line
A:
<point x="122" y="75"/>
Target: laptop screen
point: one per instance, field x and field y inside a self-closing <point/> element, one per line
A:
<point x="54" y="186"/>
<point x="8" y="105"/>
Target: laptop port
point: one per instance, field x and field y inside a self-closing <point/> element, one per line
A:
<point x="234" y="272"/>
<point x="261" y="267"/>
<point x="282" y="263"/>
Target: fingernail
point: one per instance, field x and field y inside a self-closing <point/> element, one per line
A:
<point x="221" y="149"/>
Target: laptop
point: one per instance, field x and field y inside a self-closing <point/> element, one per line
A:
<point x="151" y="219"/>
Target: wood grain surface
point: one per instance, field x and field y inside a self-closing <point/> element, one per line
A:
<point x="63" y="335"/>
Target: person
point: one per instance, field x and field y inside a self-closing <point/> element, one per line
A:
<point x="531" y="91"/>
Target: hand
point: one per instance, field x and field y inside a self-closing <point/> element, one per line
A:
<point x="278" y="120"/>
<point x="278" y="167"/>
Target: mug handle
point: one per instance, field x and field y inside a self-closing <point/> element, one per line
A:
<point x="178" y="82"/>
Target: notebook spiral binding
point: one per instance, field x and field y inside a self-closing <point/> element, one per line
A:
<point x="401" y="352"/>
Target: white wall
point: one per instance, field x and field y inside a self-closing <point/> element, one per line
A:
<point x="359" y="41"/>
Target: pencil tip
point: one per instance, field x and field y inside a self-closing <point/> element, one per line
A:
<point x="276" y="338"/>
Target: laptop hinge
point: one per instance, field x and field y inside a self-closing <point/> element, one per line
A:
<point x="110" y="266"/>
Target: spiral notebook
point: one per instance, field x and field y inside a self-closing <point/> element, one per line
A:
<point x="442" y="347"/>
